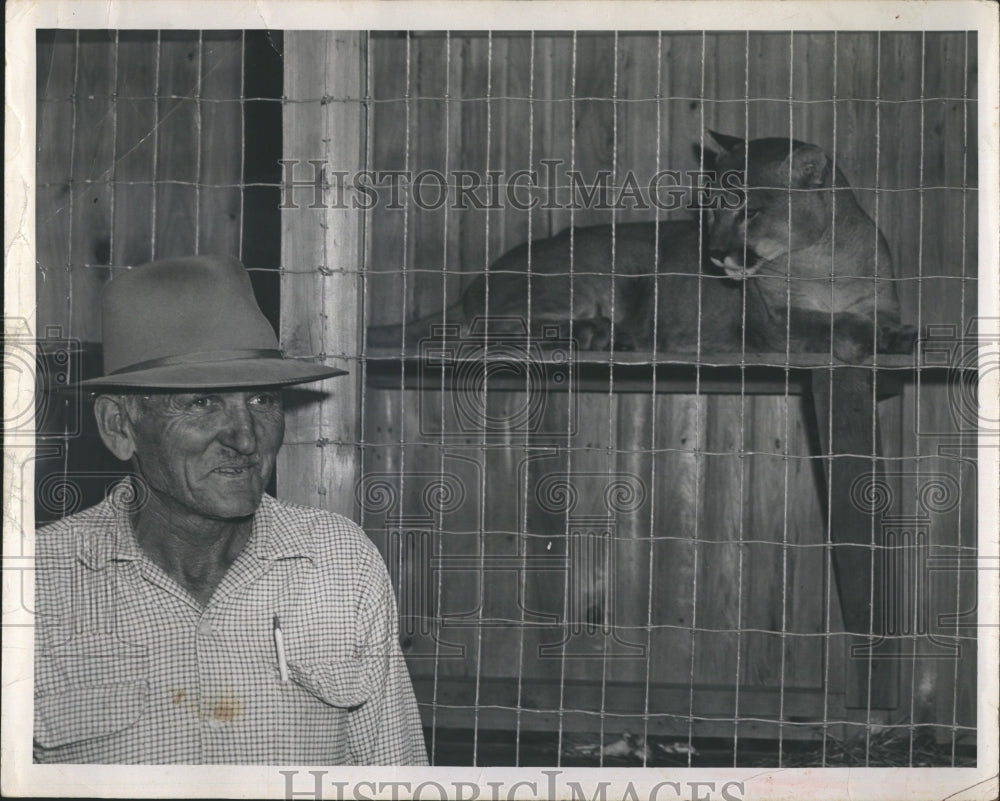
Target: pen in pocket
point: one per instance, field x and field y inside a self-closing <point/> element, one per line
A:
<point x="279" y="646"/>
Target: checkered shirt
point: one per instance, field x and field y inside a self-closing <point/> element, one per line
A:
<point x="130" y="669"/>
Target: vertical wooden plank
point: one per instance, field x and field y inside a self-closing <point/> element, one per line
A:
<point x="500" y="640"/>
<point x="220" y="127"/>
<point x="134" y="179"/>
<point x="681" y="437"/>
<point x="545" y="537"/>
<point x="725" y="80"/>
<point x="768" y="83"/>
<point x="783" y="517"/>
<point x="560" y="124"/>
<point x="595" y="118"/>
<point x="900" y="163"/>
<point x="56" y="107"/>
<point x="177" y="145"/>
<point x="500" y="116"/>
<point x="812" y="78"/>
<point x="455" y="133"/>
<point x="92" y="170"/>
<point x="857" y="88"/>
<point x="807" y="590"/>
<point x="633" y="567"/>
<point x="591" y="465"/>
<point x="767" y="523"/>
<point x="474" y="248"/>
<point x="637" y="125"/>
<point x="515" y="116"/>
<point x="716" y="532"/>
<point x="684" y="111"/>
<point x="321" y="258"/>
<point x="426" y="225"/>
<point x="389" y="141"/>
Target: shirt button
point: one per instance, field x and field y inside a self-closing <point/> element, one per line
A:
<point x="205" y="628"/>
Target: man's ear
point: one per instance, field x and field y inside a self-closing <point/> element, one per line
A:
<point x="114" y="426"/>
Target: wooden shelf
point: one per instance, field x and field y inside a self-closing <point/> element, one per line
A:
<point x="630" y="371"/>
<point x="761" y="709"/>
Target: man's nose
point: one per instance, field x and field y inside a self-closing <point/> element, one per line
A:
<point x="240" y="432"/>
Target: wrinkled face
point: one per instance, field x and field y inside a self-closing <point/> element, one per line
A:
<point x="209" y="454"/>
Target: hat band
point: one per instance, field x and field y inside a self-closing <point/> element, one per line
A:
<point x="200" y="358"/>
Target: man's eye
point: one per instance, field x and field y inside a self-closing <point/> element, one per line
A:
<point x="266" y="400"/>
<point x="202" y="402"/>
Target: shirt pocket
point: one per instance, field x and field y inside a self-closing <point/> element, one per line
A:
<point x="88" y="688"/>
<point x="345" y="683"/>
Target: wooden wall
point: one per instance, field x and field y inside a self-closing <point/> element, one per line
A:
<point x="321" y="250"/>
<point x="725" y="555"/>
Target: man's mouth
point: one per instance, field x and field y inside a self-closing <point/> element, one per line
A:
<point x="234" y="470"/>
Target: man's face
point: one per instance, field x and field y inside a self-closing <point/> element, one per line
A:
<point x="211" y="453"/>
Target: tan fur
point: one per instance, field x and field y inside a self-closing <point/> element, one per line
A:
<point x="802" y="242"/>
<point x="747" y="265"/>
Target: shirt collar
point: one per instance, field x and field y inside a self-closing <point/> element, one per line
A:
<point x="274" y="538"/>
<point x="269" y="539"/>
<point x="108" y="534"/>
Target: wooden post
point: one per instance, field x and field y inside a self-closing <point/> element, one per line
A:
<point x="321" y="257"/>
<point x="846" y="415"/>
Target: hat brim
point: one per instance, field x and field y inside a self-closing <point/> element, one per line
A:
<point x="237" y="374"/>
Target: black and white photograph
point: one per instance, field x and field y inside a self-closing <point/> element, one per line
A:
<point x="501" y="400"/>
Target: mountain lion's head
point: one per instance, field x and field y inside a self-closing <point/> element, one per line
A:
<point x="786" y="207"/>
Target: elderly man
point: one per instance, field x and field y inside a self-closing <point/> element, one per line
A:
<point x="191" y="618"/>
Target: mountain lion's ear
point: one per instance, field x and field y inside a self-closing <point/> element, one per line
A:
<point x="710" y="158"/>
<point x="727" y="143"/>
<point x="810" y="167"/>
<point x="705" y="159"/>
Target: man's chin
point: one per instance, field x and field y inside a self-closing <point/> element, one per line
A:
<point x="239" y="508"/>
<point x="234" y="504"/>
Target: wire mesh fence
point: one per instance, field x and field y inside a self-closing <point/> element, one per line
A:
<point x="617" y="535"/>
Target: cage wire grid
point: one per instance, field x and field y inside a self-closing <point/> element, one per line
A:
<point x="608" y="725"/>
<point x="409" y="99"/>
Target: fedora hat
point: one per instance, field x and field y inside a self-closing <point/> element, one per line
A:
<point x="192" y="323"/>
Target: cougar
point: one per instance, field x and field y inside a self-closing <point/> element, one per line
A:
<point x="799" y="264"/>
